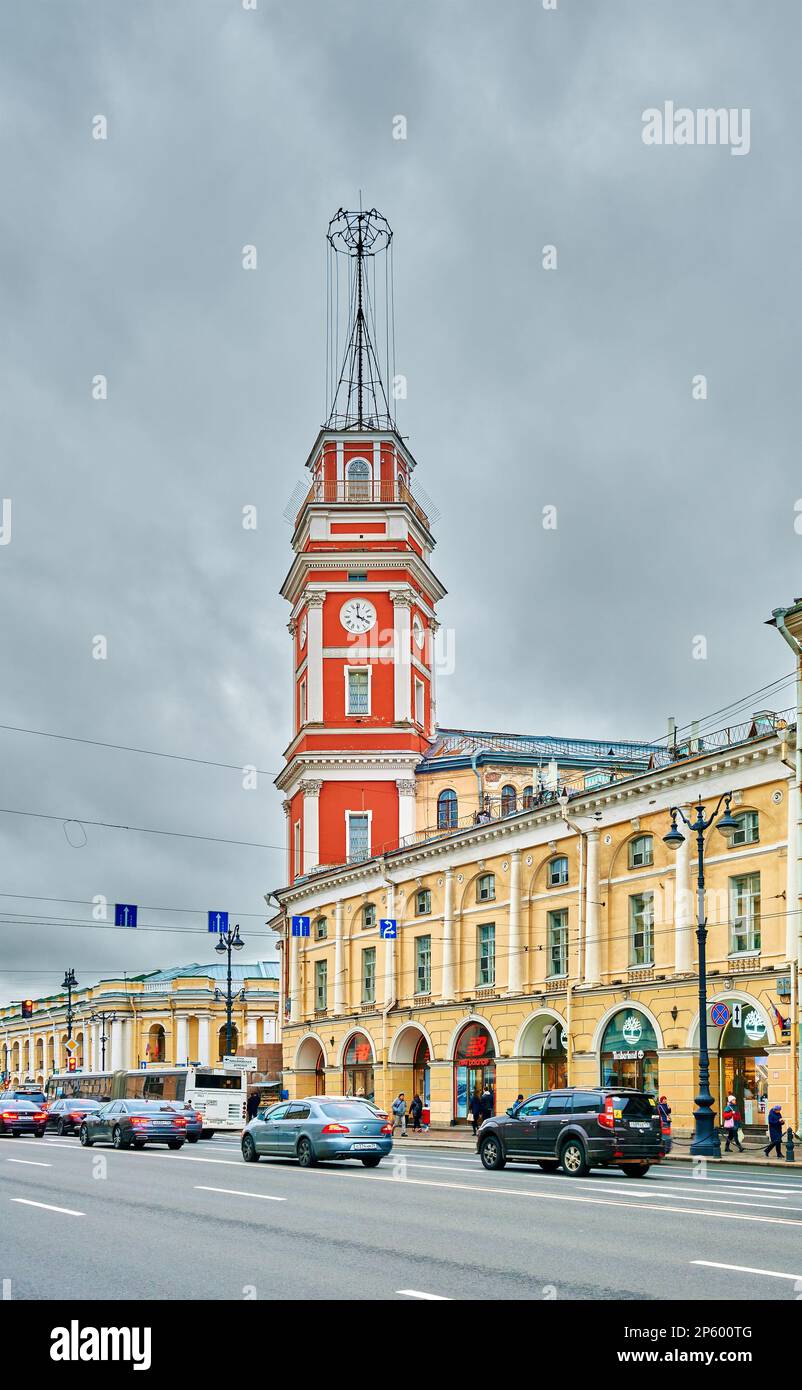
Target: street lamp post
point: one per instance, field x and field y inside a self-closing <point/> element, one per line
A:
<point x="229" y="941"/>
<point x="705" y="1140"/>
<point x="69" y="983"/>
<point x="103" y="1018"/>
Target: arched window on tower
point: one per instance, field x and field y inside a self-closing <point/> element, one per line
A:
<point x="358" y="476"/>
<point x="447" y="809"/>
<point x="508" y="800"/>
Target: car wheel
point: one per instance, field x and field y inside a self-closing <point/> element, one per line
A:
<point x="573" y="1160"/>
<point x="83" y="1135"/>
<point x="117" y="1138"/>
<point x="60" y="1129"/>
<point x="175" y="1143"/>
<point x="207" y="1134"/>
<point x="193" y="1138"/>
<point x="492" y="1153"/>
<point x="549" y="1165"/>
<point x="635" y="1170"/>
<point x="139" y="1143"/>
<point x="306" y="1154"/>
<point x="40" y="1134"/>
<point x="249" y="1149"/>
<point x="372" y="1160"/>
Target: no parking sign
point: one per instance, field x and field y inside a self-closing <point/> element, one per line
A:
<point x="719" y="1015"/>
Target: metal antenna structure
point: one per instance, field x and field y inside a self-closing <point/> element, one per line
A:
<point x="358" y="382"/>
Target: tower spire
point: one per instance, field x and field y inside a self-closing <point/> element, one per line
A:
<point x="359" y="384"/>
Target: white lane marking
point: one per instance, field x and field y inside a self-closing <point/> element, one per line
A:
<point x="417" y="1293"/>
<point x="234" y="1192"/>
<point x="65" y="1211"/>
<point x="747" y="1269"/>
<point x="29" y="1162"/>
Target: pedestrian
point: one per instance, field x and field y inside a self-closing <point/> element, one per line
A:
<point x="253" y="1105"/>
<point x="486" y="1103"/>
<point x="732" y="1121"/>
<point x="415" y="1112"/>
<point x="400" y="1114"/>
<point x="776" y="1125"/>
<point x="665" y="1122"/>
<point x="475" y="1108"/>
<point x="519" y="1100"/>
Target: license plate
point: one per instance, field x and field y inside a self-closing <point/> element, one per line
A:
<point x="640" y="1124"/>
<point x="364" y="1146"/>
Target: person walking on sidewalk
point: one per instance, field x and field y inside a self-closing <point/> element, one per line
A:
<point x="400" y="1114"/>
<point x="486" y="1103"/>
<point x="415" y="1112"/>
<point x="253" y="1105"/>
<point x="665" y="1122"/>
<point x="732" y="1120"/>
<point x="475" y="1107"/>
<point x="776" y="1125"/>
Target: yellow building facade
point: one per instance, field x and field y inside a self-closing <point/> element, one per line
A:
<point x="167" y="1017"/>
<point x="550" y="940"/>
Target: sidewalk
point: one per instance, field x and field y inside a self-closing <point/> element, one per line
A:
<point x="460" y="1140"/>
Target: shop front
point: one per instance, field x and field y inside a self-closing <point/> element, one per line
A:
<point x="743" y="1061"/>
<point x="474" y="1068"/>
<point x="554" y="1064"/>
<point x="358" y="1067"/>
<point x="629" y="1052"/>
<point x="421" y="1075"/>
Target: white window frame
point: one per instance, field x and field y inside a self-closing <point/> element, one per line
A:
<point x="640" y="840"/>
<point x="557" y="938"/>
<point x="298" y="867"/>
<point x="752" y="840"/>
<point x="420" y="696"/>
<point x="321" y="968"/>
<point x="363" y="815"/>
<point x="752" y="922"/>
<point x="303" y="706"/>
<point x="646" y="929"/>
<point x="423" y="981"/>
<point x="358" y="714"/>
<point x="558" y="882"/>
<point x="491" y="958"/>
<point x="368" y="952"/>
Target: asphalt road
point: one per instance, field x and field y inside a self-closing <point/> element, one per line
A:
<point x="200" y="1224"/>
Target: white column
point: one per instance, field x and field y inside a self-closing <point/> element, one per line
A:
<point x="252" y="1030"/>
<point x="792" y="939"/>
<point x="592" y="915"/>
<point x="311" y="850"/>
<point x="389" y="954"/>
<point x="268" y="1028"/>
<point x="293" y="979"/>
<point x="115" y="1031"/>
<point x="448" y="935"/>
<point x="339" y="960"/>
<point x="402" y="639"/>
<point x="181" y="1039"/>
<point x="434" y="628"/>
<point x="683" y="908"/>
<point x="407" y="791"/>
<point x="314" y="657"/>
<point x="515" y="957"/>
<point x="203" y="1039"/>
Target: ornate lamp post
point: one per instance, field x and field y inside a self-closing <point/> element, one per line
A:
<point x="103" y="1018"/>
<point x="705" y="1140"/>
<point x="69" y="983"/>
<point x="229" y="941"/>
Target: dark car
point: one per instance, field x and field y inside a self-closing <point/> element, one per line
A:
<point x="34" y="1094"/>
<point x="577" y="1130"/>
<point x="65" y="1115"/>
<point x="194" y="1120"/>
<point x="320" y="1127"/>
<point x="21" y="1117"/>
<point x="124" y="1123"/>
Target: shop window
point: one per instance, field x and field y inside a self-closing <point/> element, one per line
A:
<point x="641" y="929"/>
<point x="486" y="953"/>
<point x="485" y="888"/>
<point x="558" y="871"/>
<point x="748" y="829"/>
<point x="558" y="942"/>
<point x="423" y="902"/>
<point x="423" y="965"/>
<point x="321" y="984"/>
<point x="745" y="913"/>
<point x="447" y="809"/>
<point x="641" y="852"/>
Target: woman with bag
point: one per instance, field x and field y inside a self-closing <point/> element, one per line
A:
<point x="732" y="1121"/>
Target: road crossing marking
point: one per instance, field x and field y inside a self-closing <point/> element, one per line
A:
<point x="748" y="1269"/>
<point x="29" y="1162"/>
<point x="235" y="1192"/>
<point x="65" y="1211"/>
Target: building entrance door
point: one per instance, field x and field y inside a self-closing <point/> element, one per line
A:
<point x="746" y="1076"/>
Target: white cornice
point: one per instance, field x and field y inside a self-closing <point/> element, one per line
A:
<point x="310" y="562"/>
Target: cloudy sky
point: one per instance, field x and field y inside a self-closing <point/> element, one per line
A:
<point x="527" y="388"/>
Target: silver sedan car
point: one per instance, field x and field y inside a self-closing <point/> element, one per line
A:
<point x="319" y="1128"/>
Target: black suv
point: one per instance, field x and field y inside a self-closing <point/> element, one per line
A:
<point x="577" y="1130"/>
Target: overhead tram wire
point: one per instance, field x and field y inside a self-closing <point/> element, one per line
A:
<point x="91" y="902"/>
<point x="143" y="829"/>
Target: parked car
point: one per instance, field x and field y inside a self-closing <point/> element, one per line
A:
<point x="64" y="1115"/>
<point x="577" y="1129"/>
<point x="319" y="1128"/>
<point x="124" y="1123"/>
<point x="21" y="1117"/>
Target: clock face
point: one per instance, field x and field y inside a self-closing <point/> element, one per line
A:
<point x="418" y="632"/>
<point x="357" y="615"/>
<point x="302" y="631"/>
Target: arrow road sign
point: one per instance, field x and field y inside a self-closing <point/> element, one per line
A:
<point x="125" y="914"/>
<point x="388" y="928"/>
<point x="737" y="1014"/>
<point x="301" y="926"/>
<point x="218" y="921"/>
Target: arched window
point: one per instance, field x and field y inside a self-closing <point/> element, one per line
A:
<point x="641" y="852"/>
<point x="508" y="800"/>
<point x="358" y="477"/>
<point x="155" y="1050"/>
<point x="485" y="888"/>
<point x="447" y="811"/>
<point x="221" y="1041"/>
<point x="748" y="832"/>
<point x="528" y="797"/>
<point x="321" y="929"/>
<point x="368" y="916"/>
<point x="558" y="871"/>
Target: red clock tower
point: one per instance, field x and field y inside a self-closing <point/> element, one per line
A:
<point x="363" y="599"/>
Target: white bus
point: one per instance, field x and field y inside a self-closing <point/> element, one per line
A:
<point x="219" y="1095"/>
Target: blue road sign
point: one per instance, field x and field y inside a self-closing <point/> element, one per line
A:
<point x="218" y="921"/>
<point x="719" y="1015"/>
<point x="143" y="1066"/>
<point x="388" y="928"/>
<point x="125" y="914"/>
<point x="301" y="926"/>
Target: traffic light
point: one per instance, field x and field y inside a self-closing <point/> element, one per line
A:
<point x="27" y="1008"/>
<point x="72" y="1064"/>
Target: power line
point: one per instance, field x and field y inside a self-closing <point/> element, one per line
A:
<point x="142" y="829"/>
<point x="143" y="907"/>
<point x="130" y="748"/>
